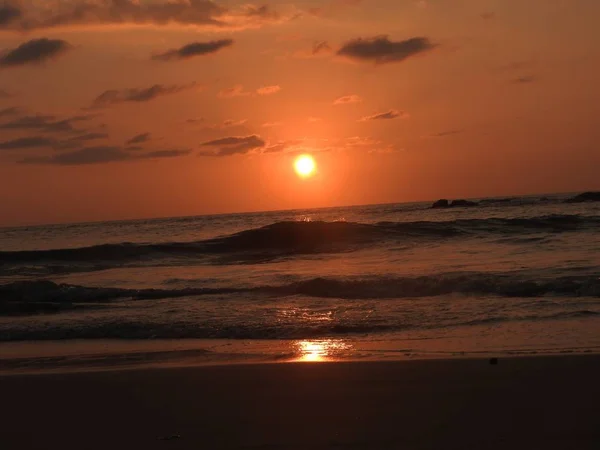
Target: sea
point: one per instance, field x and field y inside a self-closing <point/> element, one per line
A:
<point x="499" y="276"/>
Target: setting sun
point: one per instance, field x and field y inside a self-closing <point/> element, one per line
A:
<point x="305" y="166"/>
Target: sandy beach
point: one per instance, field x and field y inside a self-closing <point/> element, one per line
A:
<point x="520" y="403"/>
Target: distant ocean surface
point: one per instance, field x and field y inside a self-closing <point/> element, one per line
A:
<point x="519" y="274"/>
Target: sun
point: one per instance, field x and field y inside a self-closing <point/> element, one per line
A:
<point x="305" y="166"/>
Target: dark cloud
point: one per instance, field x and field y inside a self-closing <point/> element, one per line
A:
<point x="8" y="14"/>
<point x="45" y="123"/>
<point x="488" y="15"/>
<point x="139" y="139"/>
<point x="90" y="137"/>
<point x="99" y="155"/>
<point x="5" y="94"/>
<point x="13" y="111"/>
<point x="234" y="145"/>
<point x="87" y="155"/>
<point x="524" y="79"/>
<point x="26" y="142"/>
<point x="381" y="50"/>
<point x="446" y="133"/>
<point x="165" y="154"/>
<point x="392" y="114"/>
<point x="193" y="49"/>
<point x="82" y="13"/>
<point x="34" y="52"/>
<point x="114" y="96"/>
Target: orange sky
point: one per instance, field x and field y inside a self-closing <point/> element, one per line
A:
<point x="397" y="100"/>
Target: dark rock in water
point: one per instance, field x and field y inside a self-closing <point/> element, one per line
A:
<point x="493" y="361"/>
<point x="462" y="203"/>
<point x="443" y="203"/>
<point x="585" y="197"/>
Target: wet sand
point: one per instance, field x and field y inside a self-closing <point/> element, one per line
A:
<point x="521" y="403"/>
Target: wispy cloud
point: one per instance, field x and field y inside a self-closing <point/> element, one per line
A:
<point x="233" y="145"/>
<point x="524" y="79"/>
<point x="27" y="142"/>
<point x="318" y="49"/>
<point x="235" y="91"/>
<point x="100" y="155"/>
<point x="113" y="97"/>
<point x="347" y="99"/>
<point x="12" y="111"/>
<point x="381" y="50"/>
<point x="446" y="133"/>
<point x="391" y="114"/>
<point x="46" y="123"/>
<point x="35" y="51"/>
<point x="238" y="91"/>
<point x="268" y="90"/>
<point x="272" y="124"/>
<point x="139" y="139"/>
<point x="194" y="49"/>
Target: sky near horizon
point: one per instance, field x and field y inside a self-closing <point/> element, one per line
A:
<point x="118" y="109"/>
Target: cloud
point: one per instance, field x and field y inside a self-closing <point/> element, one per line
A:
<point x="26" y="142"/>
<point x="233" y="123"/>
<point x="380" y="50"/>
<point x="298" y="146"/>
<point x="9" y="111"/>
<point x="126" y="13"/>
<point x="90" y="137"/>
<point x="314" y="119"/>
<point x="5" y="94"/>
<point x="113" y="97"/>
<point x="524" y="79"/>
<point x="235" y="91"/>
<point x="35" y="51"/>
<point x="99" y="155"/>
<point x="391" y="114"/>
<point x="268" y="90"/>
<point x="347" y="99"/>
<point x="321" y="47"/>
<point x="446" y="133"/>
<point x="8" y="14"/>
<point x="318" y="49"/>
<point x="139" y="139"/>
<point x="195" y="120"/>
<point x="233" y="145"/>
<point x="238" y="91"/>
<point x="272" y="124"/>
<point x="488" y="15"/>
<point x="165" y="154"/>
<point x="44" y="123"/>
<point x="194" y="49"/>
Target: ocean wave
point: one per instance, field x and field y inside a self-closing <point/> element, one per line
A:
<point x="266" y="330"/>
<point x="288" y="238"/>
<point x="27" y="297"/>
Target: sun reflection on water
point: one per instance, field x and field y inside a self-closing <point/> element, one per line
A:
<point x="321" y="350"/>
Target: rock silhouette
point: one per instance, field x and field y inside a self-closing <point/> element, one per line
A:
<point x="585" y="197"/>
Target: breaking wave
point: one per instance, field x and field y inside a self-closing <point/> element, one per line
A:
<point x="26" y="297"/>
<point x="290" y="238"/>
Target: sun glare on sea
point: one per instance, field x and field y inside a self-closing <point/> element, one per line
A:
<point x="321" y="350"/>
<point x="305" y="166"/>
